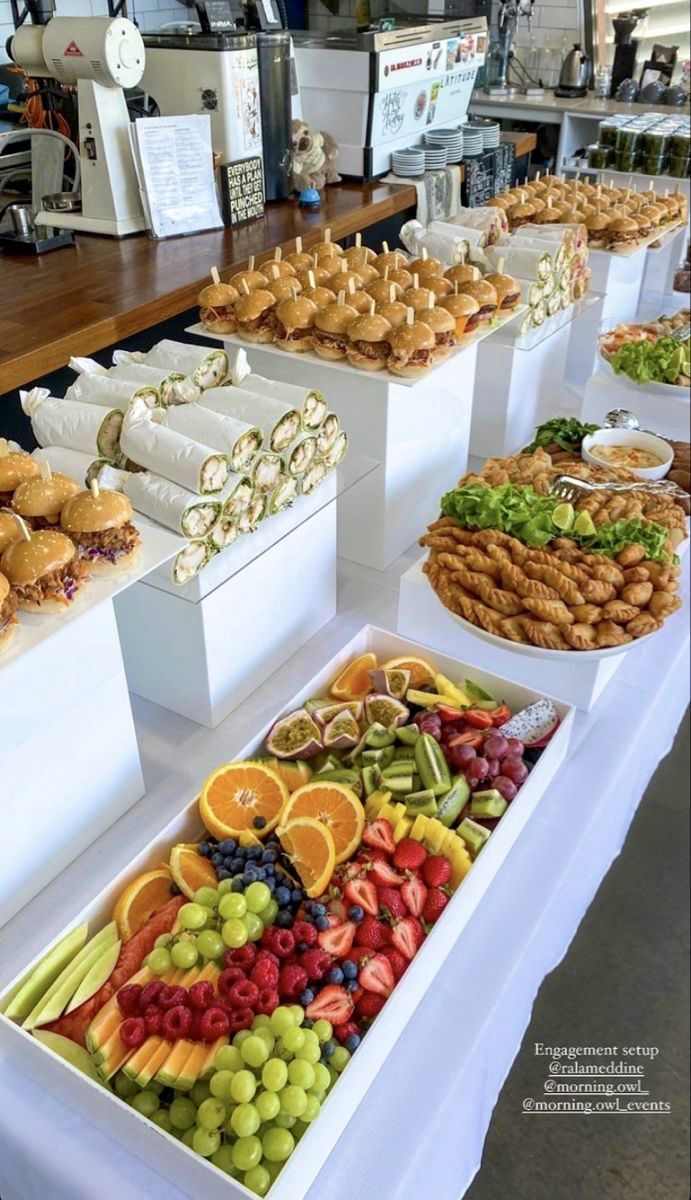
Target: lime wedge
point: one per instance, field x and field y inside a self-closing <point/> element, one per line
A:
<point x="584" y="525"/>
<point x="564" y="516"/>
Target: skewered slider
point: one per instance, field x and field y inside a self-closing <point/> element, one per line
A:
<point x="368" y="346"/>
<point x="40" y="501"/>
<point x="413" y="347"/>
<point x="216" y="307"/>
<point x="463" y="273"/>
<point x="255" y="316"/>
<point x="486" y="297"/>
<point x="465" y="311"/>
<point x="294" y="324"/>
<point x="508" y="290"/>
<point x="330" y="334"/>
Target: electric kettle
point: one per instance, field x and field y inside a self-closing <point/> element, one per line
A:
<point x="576" y="72"/>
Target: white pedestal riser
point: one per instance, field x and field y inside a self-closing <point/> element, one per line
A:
<point x="70" y="762"/>
<point x="619" y="279"/>
<point x="422" y="617"/>
<point x="203" y="659"/>
<point x="666" y="415"/>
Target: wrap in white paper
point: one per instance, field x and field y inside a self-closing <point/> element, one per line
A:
<point x="192" y="559"/>
<point x="315" y="476"/>
<point x="328" y="433"/>
<point x="267" y="471"/>
<point x="280" y="421"/>
<point x="473" y="236"/>
<point x="310" y="403"/>
<point x="523" y="261"/>
<point x="206" y="368"/>
<point x="301" y="455"/>
<point x="450" y="245"/>
<point x="166" y="383"/>
<point x="492" y="220"/>
<point x="174" y="507"/>
<point x="93" y="429"/>
<point x="181" y="459"/>
<point x="531" y="291"/>
<point x="237" y="496"/>
<point x="224" y="533"/>
<point x="106" y="392"/>
<point x="337" y="452"/>
<point x="240" y="441"/>
<point x="74" y="463"/>
<point x="283" y="495"/>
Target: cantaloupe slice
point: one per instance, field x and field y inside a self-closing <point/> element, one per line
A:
<point x="144" y="1064"/>
<point x="211" y="1051"/>
<point x="104" y="1014"/>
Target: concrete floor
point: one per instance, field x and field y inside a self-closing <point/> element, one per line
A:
<point x="625" y="981"/>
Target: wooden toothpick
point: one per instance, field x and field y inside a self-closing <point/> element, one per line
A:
<point x="95" y="489"/>
<point x="216" y="278"/>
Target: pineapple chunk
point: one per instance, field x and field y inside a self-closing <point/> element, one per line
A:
<point x="374" y="804"/>
<point x="456" y="696"/>
<point x="419" y="828"/>
<point x="403" y="828"/>
<point x="435" y="835"/>
<point x="460" y="862"/>
<point x="388" y="812"/>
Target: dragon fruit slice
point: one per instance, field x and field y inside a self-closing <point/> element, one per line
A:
<point x="533" y="725"/>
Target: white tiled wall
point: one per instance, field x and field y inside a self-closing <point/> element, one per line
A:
<point x="150" y="14"/>
<point x="552" y="19"/>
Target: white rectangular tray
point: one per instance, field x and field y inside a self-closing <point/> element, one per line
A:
<point x="168" y="1156"/>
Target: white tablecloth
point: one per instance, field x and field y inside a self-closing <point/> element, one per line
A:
<point x="421" y="1128"/>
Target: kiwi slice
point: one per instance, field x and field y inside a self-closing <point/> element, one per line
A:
<point x="378" y="737"/>
<point x="400" y="768"/>
<point x="372" y="778"/>
<point x="399" y="783"/>
<point x="421" y="803"/>
<point x="452" y="804"/>
<point x="408" y="734"/>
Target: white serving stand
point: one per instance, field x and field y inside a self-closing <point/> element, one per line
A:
<point x="518" y="379"/>
<point x="661" y="265"/>
<point x="69" y="760"/>
<point x="422" y="617"/>
<point x="618" y="277"/>
<point x="201" y="649"/>
<point x="418" y="430"/>
<point x="666" y="410"/>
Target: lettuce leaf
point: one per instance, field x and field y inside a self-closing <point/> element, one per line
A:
<point x="567" y="432"/>
<point x="665" y="361"/>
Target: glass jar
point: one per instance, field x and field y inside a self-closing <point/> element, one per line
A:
<point x="627" y="141"/>
<point x="678" y="167"/>
<point x="607" y="133"/>
<point x="650" y="164"/>
<point x="611" y="162"/>
<point x="597" y="157"/>
<point x="679" y="144"/>
<point x="626" y="162"/>
<point x="653" y="142"/>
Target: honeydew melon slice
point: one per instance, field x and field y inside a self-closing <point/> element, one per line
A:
<point x="54" y="1001"/>
<point x="76" y="1055"/>
<point x="28" y="993"/>
<point x="96" y="977"/>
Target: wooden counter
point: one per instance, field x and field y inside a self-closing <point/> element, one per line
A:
<point x="78" y="300"/>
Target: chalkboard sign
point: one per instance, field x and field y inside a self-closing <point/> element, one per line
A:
<point x="479" y="179"/>
<point x="504" y="159"/>
<point x="242" y="191"/>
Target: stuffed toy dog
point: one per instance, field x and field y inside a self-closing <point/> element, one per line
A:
<point x="314" y="158"/>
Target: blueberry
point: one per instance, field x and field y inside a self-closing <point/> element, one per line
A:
<point x="349" y="969"/>
<point x="260" y="873"/>
<point x="174" y="889"/>
<point x="284" y="920"/>
<point x="319" y="910"/>
<point x="282" y="896"/>
<point x="237" y="864"/>
<point x="270" y="855"/>
<point x="328" y="1049"/>
<point x="241" y="852"/>
<point x="352" y="985"/>
<point x="204" y="849"/>
<point x="307" y="997"/>
<point x="356" y="913"/>
<point x="227" y="846"/>
<point x="351" y="1043"/>
<point x="335" y="975"/>
<point x="223" y="873"/>
<point x="250" y="874"/>
<point x="301" y="947"/>
<point x="296" y="896"/>
<point x="237" y="885"/>
<point x="322" y="923"/>
<point x="269" y="870"/>
<point x="307" y="1023"/>
<point x="259" y="822"/>
<point x="271" y="884"/>
<point x="217" y="859"/>
<point x="254" y="852"/>
<point x="228" y="862"/>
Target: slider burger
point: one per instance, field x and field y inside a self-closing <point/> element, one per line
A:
<point x="465" y="311"/>
<point x="382" y="289"/>
<point x="538" y="203"/>
<point x="294" y="324"/>
<point x="443" y="326"/>
<point x="521" y="214"/>
<point x="368" y="273"/>
<point x="327" y="249"/>
<point x="341" y="280"/>
<point x="255" y="315"/>
<point x="45" y="571"/>
<point x="623" y="232"/>
<point x="299" y="261"/>
<point x="320" y="276"/>
<point x="507" y="288"/>
<point x="252" y="281"/>
<point x="330" y="336"/>
<point x="361" y="302"/>
<point x="330" y="265"/>
<point x="644" y="225"/>
<point x="358" y="257"/>
<point x="216" y="307"/>
<point x="368" y="346"/>
<point x="40" y="501"/>
<point x="504" y="202"/>
<point x="597" y="228"/>
<point x="440" y="287"/>
<point x="402" y="276"/>
<point x="395" y="260"/>
<point x="276" y="268"/>
<point x="393" y="311"/>
<point x="10" y="530"/>
<point x="463" y="273"/>
<point x="321" y="296"/>
<point x="547" y="216"/>
<point x="8" y="607"/>
<point x="654" y="213"/>
<point x="486" y="296"/>
<point x="418" y="298"/>
<point x="15" y="468"/>
<point x="286" y="288"/>
<point x="100" y="525"/>
<point x="413" y="349"/>
<point x="426" y="268"/>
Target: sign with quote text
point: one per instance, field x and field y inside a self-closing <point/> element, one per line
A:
<point x="242" y="191"/>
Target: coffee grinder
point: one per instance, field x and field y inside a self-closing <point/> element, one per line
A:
<point x="625" y="49"/>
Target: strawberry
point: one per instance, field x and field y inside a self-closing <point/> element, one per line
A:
<point x="414" y="894"/>
<point x="372" y="933"/>
<point x="292" y="981"/>
<point x="344" y="1030"/>
<point x="337" y="941"/>
<point x="369" y="1004"/>
<point x="407" y="936"/>
<point x="364" y="893"/>
<point x="409" y="855"/>
<point x="392" y="902"/>
<point x="333" y="1003"/>
<point x="435" y="904"/>
<point x="377" y="976"/>
<point x="436" y="870"/>
<point x="384" y="875"/>
<point x="315" y="962"/>
<point x="399" y="962"/>
<point x="379" y="834"/>
<point x="351" y="870"/>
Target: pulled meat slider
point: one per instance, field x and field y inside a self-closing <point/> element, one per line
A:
<point x="413" y="348"/>
<point x="216" y="307"/>
<point x="368" y="347"/>
<point x="330" y="334"/>
<point x="45" y="571"/>
<point x="100" y="525"/>
<point x="294" y="324"/>
<point x="255" y="315"/>
<point x="40" y="501"/>
<point x="8" y="607"/>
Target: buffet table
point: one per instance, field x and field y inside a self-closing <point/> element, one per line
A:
<point x="447" y="1071"/>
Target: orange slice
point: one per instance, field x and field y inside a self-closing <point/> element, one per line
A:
<point x="189" y="870"/>
<point x="354" y="682"/>
<point x="143" y="897"/>
<point x="235" y="794"/>
<point x="422" y="672"/>
<point x="310" y="847"/>
<point x="334" y="805"/>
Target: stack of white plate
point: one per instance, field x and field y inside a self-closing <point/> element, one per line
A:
<point x="472" y="141"/>
<point x="490" y="130"/>
<point x="436" y="158"/>
<point x="408" y="163"/>
<point x="450" y="139"/>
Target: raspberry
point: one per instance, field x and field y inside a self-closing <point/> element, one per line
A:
<point x="341" y="1032"/>
<point x="305" y="932"/>
<point x="133" y="1032"/>
<point x="150" y="993"/>
<point x="213" y="1024"/>
<point x="265" y="974"/>
<point x="153" y="1018"/>
<point x="169" y="997"/>
<point x="399" y="962"/>
<point x="243" y="994"/>
<point x="281" y="942"/>
<point x="315" y="963"/>
<point x="265" y="955"/>
<point x="129" y="1000"/>
<point x="228" y="977"/>
<point x="176" y="1023"/>
<point x="201" y="995"/>
<point x="391" y="899"/>
<point x="409" y="854"/>
<point x="241" y="1019"/>
<point x="245" y="956"/>
<point x="436" y="870"/>
<point x="269" y="999"/>
<point x="370" y="1004"/>
<point x="292" y="981"/>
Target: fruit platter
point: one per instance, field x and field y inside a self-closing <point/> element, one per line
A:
<point x="245" y="978"/>
<point x="518" y="564"/>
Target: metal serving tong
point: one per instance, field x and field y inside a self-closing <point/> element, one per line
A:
<point x="567" y="487"/>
